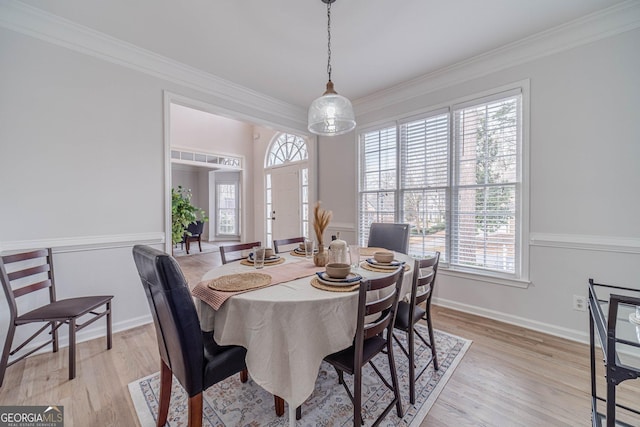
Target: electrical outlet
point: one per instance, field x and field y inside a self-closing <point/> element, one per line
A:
<point x="579" y="303"/>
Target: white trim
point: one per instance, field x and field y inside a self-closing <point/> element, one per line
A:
<point x="496" y="280"/>
<point x="629" y="245"/>
<point x="547" y="328"/>
<point x="84" y="243"/>
<point x="34" y="22"/>
<point x="606" y="23"/>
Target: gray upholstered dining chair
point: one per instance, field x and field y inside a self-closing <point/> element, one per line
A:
<point x="186" y="352"/>
<point x="391" y="236"/>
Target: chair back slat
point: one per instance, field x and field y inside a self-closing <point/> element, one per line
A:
<point x="230" y="253"/>
<point x="423" y="283"/>
<point x="24" y="256"/>
<point x="31" y="271"/>
<point x="379" y="305"/>
<point x="375" y="328"/>
<point x="26" y="279"/>
<point x="31" y="288"/>
<point x="278" y="243"/>
<point x="423" y="287"/>
<point x="383" y="294"/>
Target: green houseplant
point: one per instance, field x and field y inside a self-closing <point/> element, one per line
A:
<point x="183" y="213"/>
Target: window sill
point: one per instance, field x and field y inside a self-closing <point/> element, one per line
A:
<point x="516" y="283"/>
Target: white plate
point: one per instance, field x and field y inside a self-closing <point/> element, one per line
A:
<point x="266" y="260"/>
<point x="325" y="279"/>
<point x="634" y="319"/>
<point x="384" y="265"/>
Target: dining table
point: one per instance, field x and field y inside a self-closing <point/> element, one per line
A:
<point x="289" y="324"/>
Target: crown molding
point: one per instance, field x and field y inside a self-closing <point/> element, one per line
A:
<point x="629" y="245"/>
<point x="34" y="22"/>
<point x="606" y="23"/>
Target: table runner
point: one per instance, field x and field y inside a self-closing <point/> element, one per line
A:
<point x="279" y="274"/>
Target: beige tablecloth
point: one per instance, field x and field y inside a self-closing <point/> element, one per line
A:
<point x="287" y="328"/>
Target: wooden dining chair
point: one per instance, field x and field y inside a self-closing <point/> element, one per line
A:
<point x="394" y="237"/>
<point x="410" y="313"/>
<point x="279" y="243"/>
<point x="236" y="252"/>
<point x="186" y="352"/>
<point x="371" y="339"/>
<point x="193" y="234"/>
<point x="27" y="273"/>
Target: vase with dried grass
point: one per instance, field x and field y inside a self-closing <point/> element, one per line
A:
<point x="321" y="218"/>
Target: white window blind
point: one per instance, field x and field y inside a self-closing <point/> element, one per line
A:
<point x="378" y="178"/>
<point x="486" y="138"/>
<point x="424" y="147"/>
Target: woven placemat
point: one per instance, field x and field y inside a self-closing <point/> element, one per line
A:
<point x="367" y="266"/>
<point x="250" y="263"/>
<point x="317" y="284"/>
<point x="239" y="282"/>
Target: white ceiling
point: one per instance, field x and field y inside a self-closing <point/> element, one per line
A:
<point x="279" y="47"/>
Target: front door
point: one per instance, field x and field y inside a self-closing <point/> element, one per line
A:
<point x="285" y="190"/>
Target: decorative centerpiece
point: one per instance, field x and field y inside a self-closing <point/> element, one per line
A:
<point x="321" y="220"/>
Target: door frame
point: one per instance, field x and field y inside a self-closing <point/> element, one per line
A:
<point x="249" y="177"/>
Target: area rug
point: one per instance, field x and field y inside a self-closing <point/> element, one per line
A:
<point x="232" y="403"/>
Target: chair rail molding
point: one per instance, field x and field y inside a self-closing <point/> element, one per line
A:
<point x="614" y="20"/>
<point x="629" y="245"/>
<point x="84" y="243"/>
<point x="34" y="22"/>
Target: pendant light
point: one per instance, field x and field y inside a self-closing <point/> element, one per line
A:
<point x="331" y="114"/>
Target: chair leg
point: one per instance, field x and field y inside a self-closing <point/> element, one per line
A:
<point x="165" y="394"/>
<point x="54" y="336"/>
<point x="433" y="343"/>
<point x="72" y="348"/>
<point x="244" y="376"/>
<point x="357" y="398"/>
<point x="278" y="402"/>
<point x="412" y="366"/>
<point x="187" y="246"/>
<point x="199" y="243"/>
<point x="109" y="327"/>
<point x="195" y="410"/>
<point x="394" y="379"/>
<point x="7" y="349"/>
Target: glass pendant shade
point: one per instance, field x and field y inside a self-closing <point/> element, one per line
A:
<point x="331" y="114"/>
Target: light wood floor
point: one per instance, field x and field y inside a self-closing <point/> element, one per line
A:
<point x="509" y="377"/>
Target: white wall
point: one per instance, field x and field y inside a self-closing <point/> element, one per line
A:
<point x="584" y="170"/>
<point x="83" y="164"/>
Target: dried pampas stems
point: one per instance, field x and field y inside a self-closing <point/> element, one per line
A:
<point x="321" y="220"/>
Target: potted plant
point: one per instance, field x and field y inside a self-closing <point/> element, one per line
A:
<point x="183" y="213"/>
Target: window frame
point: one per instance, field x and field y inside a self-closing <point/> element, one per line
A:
<point x="520" y="277"/>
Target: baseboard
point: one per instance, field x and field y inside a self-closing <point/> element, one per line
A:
<point x="547" y="328"/>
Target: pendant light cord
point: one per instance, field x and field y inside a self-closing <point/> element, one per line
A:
<point x="329" y="40"/>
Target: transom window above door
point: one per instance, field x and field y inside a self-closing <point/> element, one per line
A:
<point x="287" y="148"/>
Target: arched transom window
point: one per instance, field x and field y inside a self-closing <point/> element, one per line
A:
<point x="287" y="148"/>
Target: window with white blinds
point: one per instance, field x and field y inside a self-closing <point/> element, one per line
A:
<point x="455" y="176"/>
<point x="378" y="178"/>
